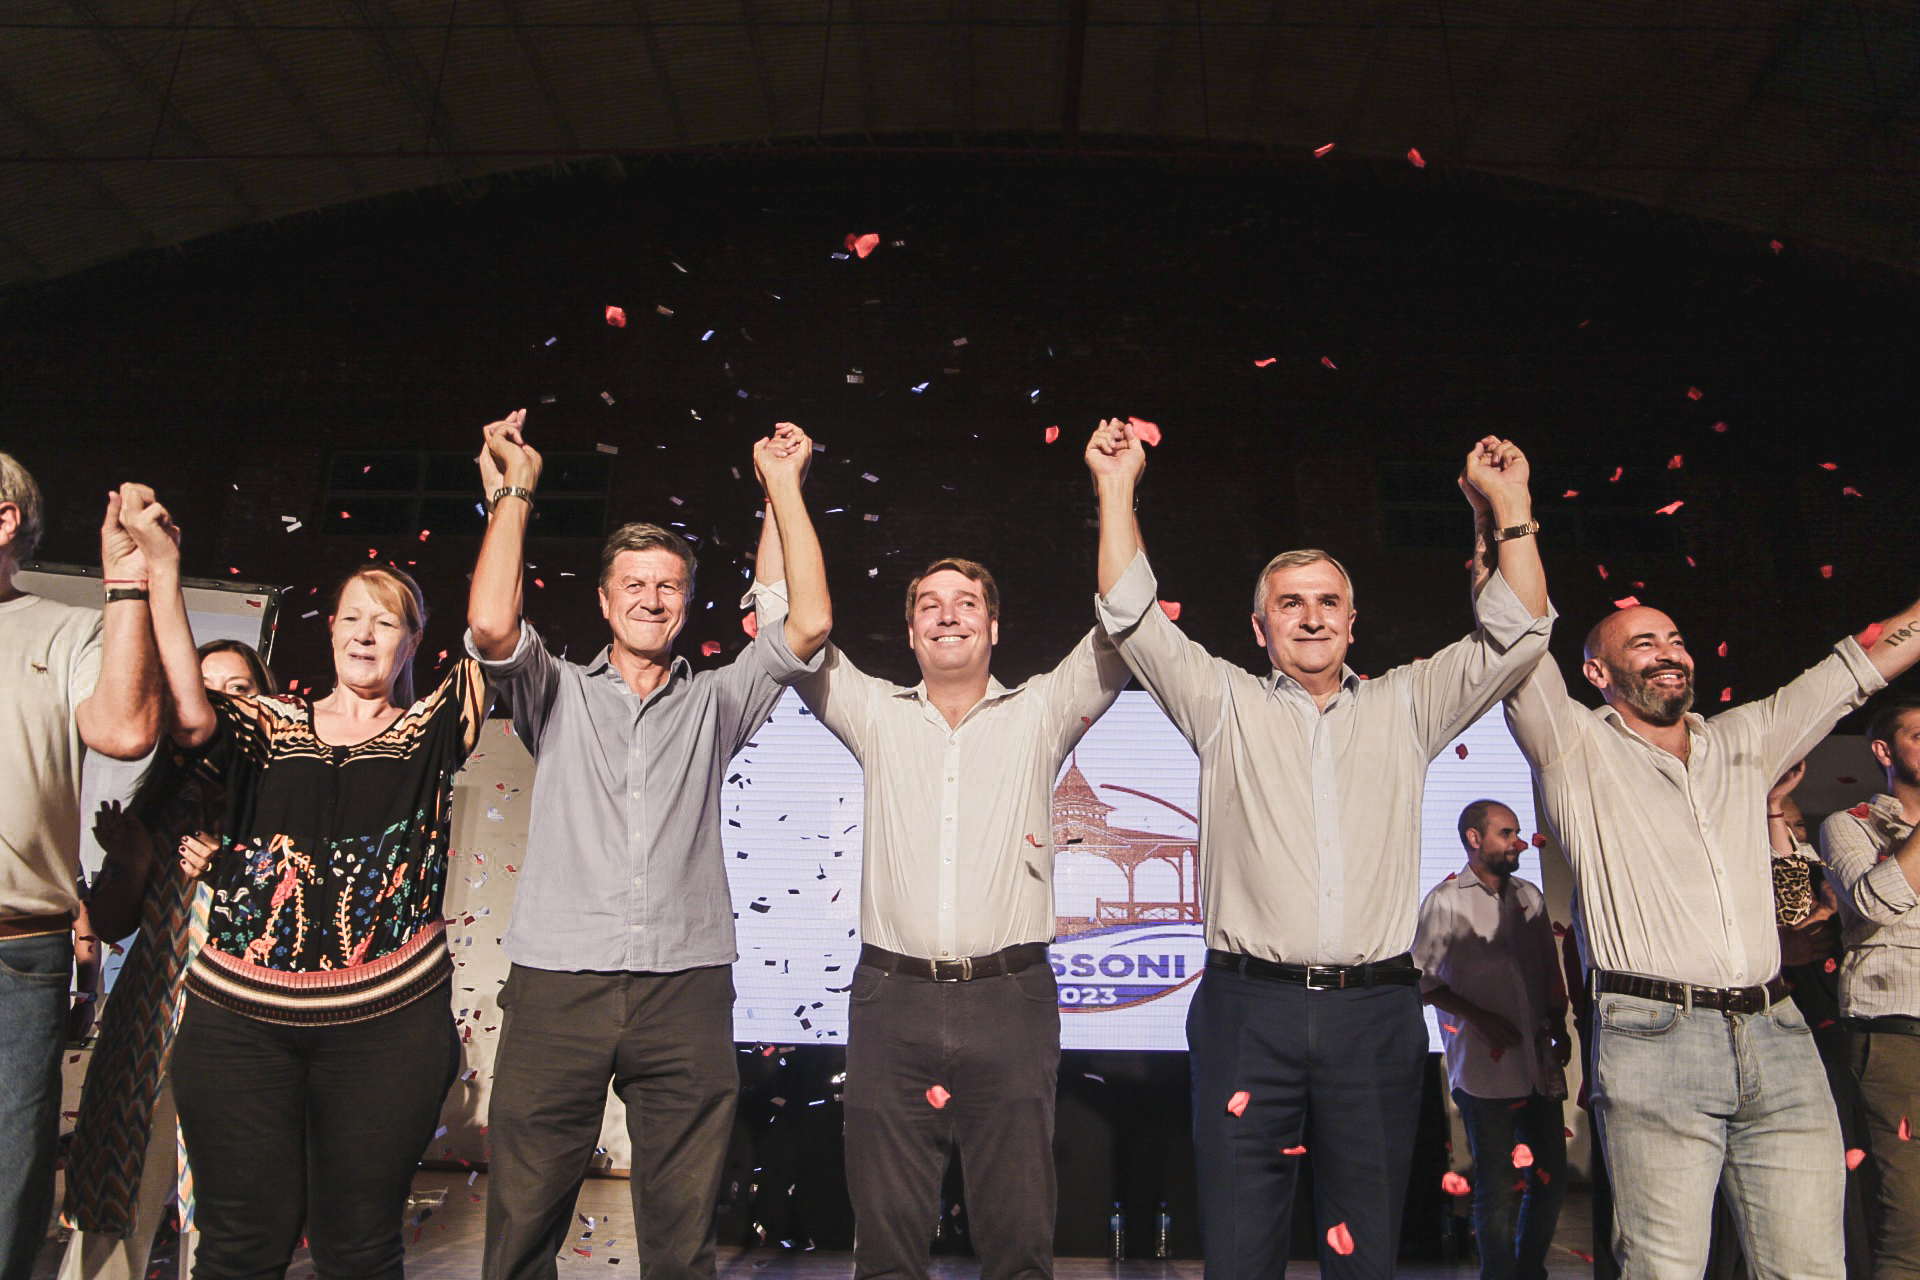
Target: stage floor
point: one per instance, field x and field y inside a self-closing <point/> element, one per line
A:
<point x="445" y="1244"/>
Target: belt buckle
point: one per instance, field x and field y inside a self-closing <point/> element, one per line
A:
<point x="1335" y="979"/>
<point x="964" y="966"/>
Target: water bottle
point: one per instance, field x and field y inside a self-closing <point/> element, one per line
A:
<point x="1161" y="1248"/>
<point x="1118" y="1224"/>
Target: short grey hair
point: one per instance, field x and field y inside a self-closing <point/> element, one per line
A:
<point x="1294" y="560"/>
<point x="645" y="537"/>
<point x="17" y="487"/>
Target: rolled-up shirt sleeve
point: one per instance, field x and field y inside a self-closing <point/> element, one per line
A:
<point x="529" y="677"/>
<point x="1462" y="682"/>
<point x="1876" y="889"/>
<point x="1787" y="725"/>
<point x="776" y="657"/>
<point x="1182" y="676"/>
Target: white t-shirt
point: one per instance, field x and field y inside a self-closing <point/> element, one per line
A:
<point x="49" y="663"/>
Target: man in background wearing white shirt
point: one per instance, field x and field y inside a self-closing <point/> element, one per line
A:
<point x="1489" y="964"/>
<point x="1874" y="860"/>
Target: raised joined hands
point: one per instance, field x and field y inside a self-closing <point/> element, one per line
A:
<point x="1115" y="450"/>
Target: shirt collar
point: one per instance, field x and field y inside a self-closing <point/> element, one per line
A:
<point x="1465" y="879"/>
<point x="1696" y="725"/>
<point x="1278" y="681"/>
<point x="602" y="665"/>
<point x="995" y="691"/>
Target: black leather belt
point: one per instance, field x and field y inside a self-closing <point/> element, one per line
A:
<point x="1396" y="971"/>
<point x="1896" y="1024"/>
<point x="1722" y="999"/>
<point x="1010" y="960"/>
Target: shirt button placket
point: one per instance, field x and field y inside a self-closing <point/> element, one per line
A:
<point x="948" y="929"/>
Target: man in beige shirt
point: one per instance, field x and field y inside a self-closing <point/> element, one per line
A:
<point x="1306" y="1033"/>
<point x="953" y="1025"/>
<point x="1704" y="1073"/>
<point x="71" y="681"/>
<point x="1874" y="861"/>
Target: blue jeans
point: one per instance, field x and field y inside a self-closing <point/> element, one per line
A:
<point x="1502" y="1193"/>
<point x="35" y="974"/>
<point x="1687" y="1099"/>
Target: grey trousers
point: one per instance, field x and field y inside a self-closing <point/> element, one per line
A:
<point x="665" y="1041"/>
<point x="993" y="1044"/>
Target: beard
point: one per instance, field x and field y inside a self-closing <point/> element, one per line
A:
<point x="1660" y="705"/>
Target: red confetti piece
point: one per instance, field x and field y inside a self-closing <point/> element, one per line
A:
<point x="1866" y="638"/>
<point x="1603" y="571"/>
<point x="1726" y="694"/>
<point x="1171" y="608"/>
<point x="1826" y="571"/>
<point x="1722" y="650"/>
<point x="750" y="623"/>
<point x="1415" y="159"/>
<point x="1854" y="1156"/>
<point x="372" y="554"/>
<point x="1448" y="1027"/>
<point x="1775" y="245"/>
<point x="1848" y="491"/>
<point x="1339" y="1239"/>
<point x="1831" y="964"/>
<point x="1323" y="148"/>
<point x="1538" y="841"/>
<point x="1626" y="602"/>
<point x="617" y="317"/>
<point x="1497" y="1053"/>
<point x="1581" y="1254"/>
<point x="1691" y="564"/>
<point x="1293" y="1151"/>
<point x="443" y="655"/>
<point x="1460" y="749"/>
<point x="1237" y="1104"/>
<point x="1035" y="843"/>
<point x="1261" y="364"/>
<point x="937" y="1096"/>
<point x="1455" y="1185"/>
<point x="709" y="648"/>
<point x="1617" y="473"/>
<point x="1675" y="463"/>
<point x="1829" y="466"/>
<point x="1327" y="361"/>
<point x="1523" y="1156"/>
<point x="540" y="583"/>
<point x="1146" y="432"/>
<point x="1670" y="508"/>
<point x="1571" y="493"/>
<point x="1720" y="427"/>
<point x="1053" y="433"/>
<point x="1906" y="1130"/>
<point x="1693" y="393"/>
<point x="862" y="245"/>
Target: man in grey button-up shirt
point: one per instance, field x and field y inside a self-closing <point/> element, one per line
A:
<point x="1310" y="789"/>
<point x="622" y="935"/>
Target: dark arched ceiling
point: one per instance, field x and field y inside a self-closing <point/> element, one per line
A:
<point x="135" y="124"/>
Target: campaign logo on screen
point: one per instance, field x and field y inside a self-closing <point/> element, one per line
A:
<point x="1129" y="949"/>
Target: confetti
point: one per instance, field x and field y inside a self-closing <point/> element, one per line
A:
<point x="1571" y="493"/>
<point x="1339" y="1239"/>
<point x="1872" y="633"/>
<point x="1674" y="463"/>
<point x="1617" y="473"/>
<point x="1523" y="1156"/>
<point x="1538" y="841"/>
<point x="1670" y="508"/>
<point x="937" y="1097"/>
<point x="607" y="396"/>
<point x="708" y="649"/>
<point x="607" y="448"/>
<point x="1171" y="608"/>
<point x="1854" y="1157"/>
<point x="1418" y="161"/>
<point x="1053" y="433"/>
<point x="1261" y="364"/>
<point x="1460" y="749"/>
<point x="1850" y="492"/>
<point x="1146" y="432"/>
<point x="1323" y="148"/>
<point x="1831" y="964"/>
<point x="1328" y="361"/>
<point x="1455" y="1185"/>
<point x="1627" y="602"/>
<point x="1602" y="569"/>
<point x="617" y="317"/>
<point x="1293" y="1151"/>
<point x="1726" y="694"/>
<point x="1694" y="393"/>
<point x="1829" y="466"/>
<point x="1826" y="571"/>
<point x="665" y="311"/>
<point x="750" y="623"/>
<point x="1720" y="428"/>
<point x="1906" y="1130"/>
<point x="1237" y="1104"/>
<point x="862" y="245"/>
<point x="1035" y="843"/>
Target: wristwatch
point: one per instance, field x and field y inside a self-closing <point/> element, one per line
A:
<point x="1517" y="531"/>
<point x="510" y="491"/>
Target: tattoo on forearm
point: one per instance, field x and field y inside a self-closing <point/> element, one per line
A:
<point x="1906" y="631"/>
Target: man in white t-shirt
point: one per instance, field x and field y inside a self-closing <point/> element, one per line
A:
<point x="70" y="680"/>
<point x="1489" y="964"/>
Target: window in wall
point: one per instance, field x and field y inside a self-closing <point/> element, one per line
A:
<point x="384" y="494"/>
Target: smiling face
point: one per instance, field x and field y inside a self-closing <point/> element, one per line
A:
<point x="1898" y="751"/>
<point x="371" y="640"/>
<point x="951" y="630"/>
<point x="227" y="672"/>
<point x="644" y="599"/>
<point x="1307" y="625"/>
<point x="1638" y="660"/>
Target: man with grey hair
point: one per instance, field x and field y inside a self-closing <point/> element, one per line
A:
<point x="622" y="939"/>
<point x="71" y="680"/>
<point x="1306" y="1033"/>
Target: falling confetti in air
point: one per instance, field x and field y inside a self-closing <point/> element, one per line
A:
<point x="1053" y="433"/>
<point x="1237" y="1104"/>
<point x="862" y="245"/>
<point x="1323" y="148"/>
<point x="1523" y="1156"/>
<point x="1339" y="1239"/>
<point x="1293" y="1151"/>
<point x="1460" y="749"/>
<point x="1146" y="432"/>
<point x="1854" y="1156"/>
<point x="1171" y="608"/>
<point x="1455" y="1185"/>
<point x="1872" y="633"/>
<point x="937" y="1096"/>
<point x="1418" y="161"/>
<point x="709" y="648"/>
<point x="617" y="317"/>
<point x="1670" y="508"/>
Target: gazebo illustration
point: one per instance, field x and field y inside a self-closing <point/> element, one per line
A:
<point x="1080" y="827"/>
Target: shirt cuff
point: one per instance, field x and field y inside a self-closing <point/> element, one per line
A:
<point x="513" y="662"/>
<point x="1121" y="609"/>
<point x="768" y="599"/>
<point x="1503" y="617"/>
<point x="1888" y="883"/>
<point x="1860" y="666"/>
<point x="777" y="658"/>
